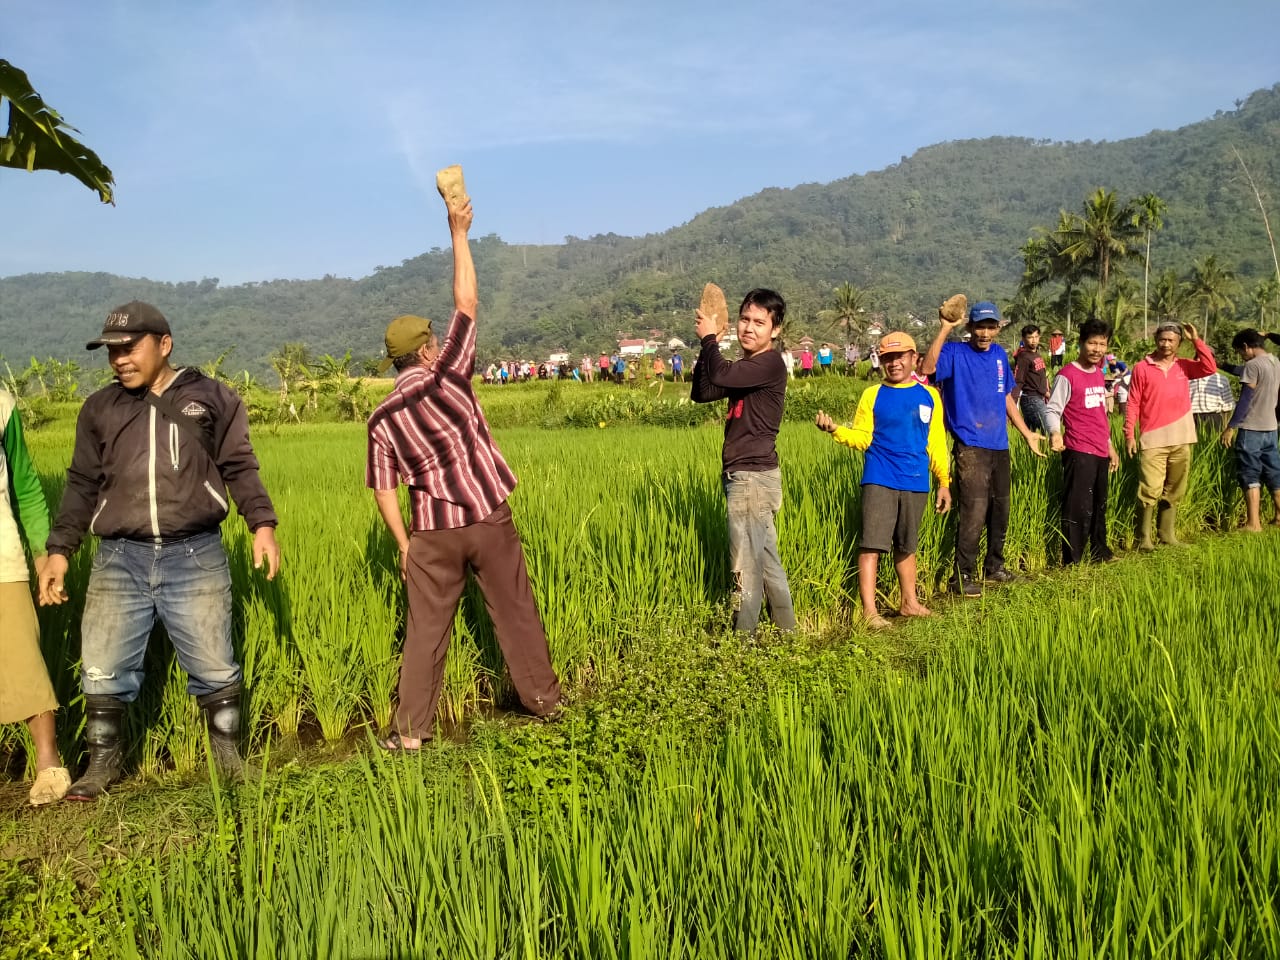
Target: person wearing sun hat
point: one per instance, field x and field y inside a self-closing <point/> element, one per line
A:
<point x="431" y="434"/>
<point x="976" y="383"/>
<point x="899" y="425"/>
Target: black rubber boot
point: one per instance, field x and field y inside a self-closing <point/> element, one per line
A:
<point x="103" y="720"/>
<point x="222" y="719"/>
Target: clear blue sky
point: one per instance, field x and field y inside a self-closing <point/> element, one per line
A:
<point x="262" y="140"/>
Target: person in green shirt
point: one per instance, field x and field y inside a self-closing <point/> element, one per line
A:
<point x="25" y="690"/>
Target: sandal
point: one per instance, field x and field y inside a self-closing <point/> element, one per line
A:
<point x="393" y="744"/>
<point x="52" y="784"/>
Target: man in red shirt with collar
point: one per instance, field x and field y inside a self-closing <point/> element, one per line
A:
<point x="430" y="433"/>
<point x="1160" y="411"/>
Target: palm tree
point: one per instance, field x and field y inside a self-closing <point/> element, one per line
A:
<point x="39" y="139"/>
<point x="1266" y="296"/>
<point x="1101" y="237"/>
<point x="1028" y="306"/>
<point x="1169" y="295"/>
<point x="1037" y="264"/>
<point x="1076" y="300"/>
<point x="1117" y="310"/>
<point x="1150" y="210"/>
<point x="1044" y="262"/>
<point x="1213" y="285"/>
<point x="850" y="303"/>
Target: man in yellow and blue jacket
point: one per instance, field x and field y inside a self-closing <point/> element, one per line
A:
<point x="899" y="425"/>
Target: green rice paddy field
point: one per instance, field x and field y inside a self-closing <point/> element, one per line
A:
<point x="1084" y="764"/>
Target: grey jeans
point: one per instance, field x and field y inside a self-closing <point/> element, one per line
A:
<point x="752" y="498"/>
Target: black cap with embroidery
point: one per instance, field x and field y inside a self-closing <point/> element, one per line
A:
<point x="127" y="323"/>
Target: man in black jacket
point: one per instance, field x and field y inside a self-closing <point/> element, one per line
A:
<point x="155" y="455"/>
<point x="755" y="387"/>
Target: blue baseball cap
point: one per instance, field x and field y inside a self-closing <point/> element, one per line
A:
<point x="984" y="310"/>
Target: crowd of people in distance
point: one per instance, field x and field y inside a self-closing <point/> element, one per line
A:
<point x="631" y="368"/>
<point x="610" y="368"/>
<point x="161" y="451"/>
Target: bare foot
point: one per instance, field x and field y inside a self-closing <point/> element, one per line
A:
<point x="1253" y="527"/>
<point x="915" y="610"/>
<point x="876" y="622"/>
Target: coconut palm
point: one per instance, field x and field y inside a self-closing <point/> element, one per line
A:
<point x="1213" y="285"/>
<point x="37" y="138"/>
<point x="1076" y="300"/>
<point x="1036" y="263"/>
<point x="1044" y="262"/>
<point x="850" y="303"/>
<point x="1028" y="306"/>
<point x="1102" y="237"/>
<point x="1150" y="210"/>
<point x="1117" y="310"/>
<point x="1168" y="295"/>
<point x="1266" y="300"/>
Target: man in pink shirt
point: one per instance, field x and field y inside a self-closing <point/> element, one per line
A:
<point x="1160" y="406"/>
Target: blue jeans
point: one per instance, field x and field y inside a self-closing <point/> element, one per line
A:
<point x="1257" y="459"/>
<point x="187" y="584"/>
<point x="1035" y="412"/>
<point x="752" y="498"/>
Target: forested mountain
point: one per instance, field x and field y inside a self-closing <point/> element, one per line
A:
<point x="950" y="217"/>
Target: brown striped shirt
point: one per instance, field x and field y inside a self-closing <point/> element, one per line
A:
<point x="430" y="433"/>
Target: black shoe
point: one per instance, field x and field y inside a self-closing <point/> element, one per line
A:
<point x="966" y="586"/>
<point x="1000" y="576"/>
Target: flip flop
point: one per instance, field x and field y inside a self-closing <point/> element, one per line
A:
<point x="52" y="784"/>
<point x="393" y="744"/>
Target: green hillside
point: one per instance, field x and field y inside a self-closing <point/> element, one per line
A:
<point x="950" y="217"/>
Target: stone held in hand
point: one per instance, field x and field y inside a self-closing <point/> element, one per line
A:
<point x="451" y="186"/>
<point x="954" y="308"/>
<point x="714" y="306"/>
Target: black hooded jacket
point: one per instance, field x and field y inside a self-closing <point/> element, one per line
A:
<point x="137" y="475"/>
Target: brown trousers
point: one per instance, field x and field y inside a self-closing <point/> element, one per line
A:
<point x="1163" y="473"/>
<point x="438" y="564"/>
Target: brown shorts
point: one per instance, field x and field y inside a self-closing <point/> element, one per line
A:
<point x="25" y="689"/>
<point x="891" y="518"/>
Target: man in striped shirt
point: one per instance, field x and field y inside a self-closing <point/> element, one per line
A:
<point x="431" y="434"/>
